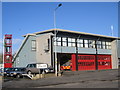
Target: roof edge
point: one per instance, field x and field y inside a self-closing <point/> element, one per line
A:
<point x="77" y="32"/>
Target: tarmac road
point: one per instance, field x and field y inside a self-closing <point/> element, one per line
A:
<point x="85" y="84"/>
<point x="76" y="79"/>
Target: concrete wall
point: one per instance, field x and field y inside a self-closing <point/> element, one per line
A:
<point x="104" y="51"/>
<point x="61" y="49"/>
<point x="42" y="44"/>
<point x="114" y="55"/>
<point x="118" y="49"/>
<point x="26" y="55"/>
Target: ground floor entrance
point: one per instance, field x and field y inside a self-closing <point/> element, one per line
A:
<point x="88" y="62"/>
<point x="84" y="62"/>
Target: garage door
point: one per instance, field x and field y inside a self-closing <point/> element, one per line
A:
<point x="87" y="62"/>
<point x="104" y="62"/>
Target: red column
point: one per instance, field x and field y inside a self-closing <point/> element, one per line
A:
<point x="73" y="62"/>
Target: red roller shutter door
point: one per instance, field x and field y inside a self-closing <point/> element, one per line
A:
<point x="86" y="62"/>
<point x="104" y="62"/>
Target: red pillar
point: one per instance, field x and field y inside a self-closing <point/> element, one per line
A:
<point x="73" y="62"/>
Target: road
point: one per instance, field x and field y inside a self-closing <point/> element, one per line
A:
<point x="76" y="79"/>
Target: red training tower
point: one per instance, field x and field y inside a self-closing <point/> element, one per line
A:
<point x="8" y="51"/>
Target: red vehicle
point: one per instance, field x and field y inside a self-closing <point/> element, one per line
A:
<point x="66" y="66"/>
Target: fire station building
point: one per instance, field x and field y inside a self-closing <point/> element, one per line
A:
<point x="84" y="51"/>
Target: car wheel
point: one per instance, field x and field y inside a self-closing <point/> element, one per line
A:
<point x="46" y="71"/>
<point x="18" y="76"/>
<point x="29" y="72"/>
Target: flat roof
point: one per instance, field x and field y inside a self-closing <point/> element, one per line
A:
<point x="69" y="31"/>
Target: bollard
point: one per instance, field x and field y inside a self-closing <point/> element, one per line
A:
<point x="60" y="73"/>
<point x="43" y="73"/>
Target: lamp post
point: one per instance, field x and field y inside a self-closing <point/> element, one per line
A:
<point x="77" y="52"/>
<point x="96" y="61"/>
<point x="55" y="32"/>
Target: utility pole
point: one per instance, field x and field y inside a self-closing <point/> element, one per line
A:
<point x="96" y="61"/>
<point x="77" y="52"/>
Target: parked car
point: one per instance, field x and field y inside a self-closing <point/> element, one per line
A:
<point x="1" y="71"/>
<point x="49" y="70"/>
<point x="36" y="68"/>
<point x="7" y="71"/>
<point x="17" y="72"/>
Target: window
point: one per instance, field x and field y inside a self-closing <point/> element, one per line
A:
<point x="64" y="41"/>
<point x="34" y="65"/>
<point x="31" y="65"/>
<point x="99" y="44"/>
<point x="28" y="65"/>
<point x="33" y="45"/>
<point x="91" y="43"/>
<point x="103" y="45"/>
<point x="86" y="43"/>
<point x="71" y="42"/>
<point x="58" y="41"/>
<point x="108" y="45"/>
<point x="79" y="42"/>
<point x="7" y="49"/>
<point x="48" y="46"/>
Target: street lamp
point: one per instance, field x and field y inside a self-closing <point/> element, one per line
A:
<point x="55" y="31"/>
<point x="96" y="61"/>
<point x="77" y="52"/>
<point x="55" y="15"/>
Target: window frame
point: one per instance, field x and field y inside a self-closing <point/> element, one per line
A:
<point x="108" y="46"/>
<point x="65" y="42"/>
<point x="33" y="45"/>
<point x="58" y="42"/>
<point x="79" y="43"/>
<point x="86" y="43"/>
<point x="71" y="42"/>
<point x="92" y="45"/>
<point x="99" y="45"/>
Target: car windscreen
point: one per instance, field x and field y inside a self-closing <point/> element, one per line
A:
<point x="7" y="69"/>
